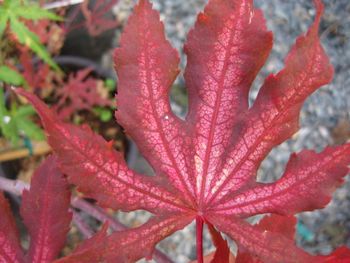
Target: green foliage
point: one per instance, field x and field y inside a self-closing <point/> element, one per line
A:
<point x="104" y="114"/>
<point x="3" y="21"/>
<point x="110" y="84"/>
<point x="17" y="121"/>
<point x="11" y="76"/>
<point x="179" y="95"/>
<point x="36" y="13"/>
<point x="12" y="12"/>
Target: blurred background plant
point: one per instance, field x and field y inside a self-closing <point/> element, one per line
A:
<point x="32" y="35"/>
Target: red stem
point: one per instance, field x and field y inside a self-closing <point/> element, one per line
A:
<point x="83" y="227"/>
<point x="199" y="235"/>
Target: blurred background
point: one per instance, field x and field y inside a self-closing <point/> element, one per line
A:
<point x="82" y="47"/>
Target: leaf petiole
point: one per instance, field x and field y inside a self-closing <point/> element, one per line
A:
<point x="199" y="235"/>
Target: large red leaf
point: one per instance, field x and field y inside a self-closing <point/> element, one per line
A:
<point x="45" y="212"/>
<point x="206" y="165"/>
<point x="10" y="250"/>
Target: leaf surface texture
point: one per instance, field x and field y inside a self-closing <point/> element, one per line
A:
<point x="205" y="165"/>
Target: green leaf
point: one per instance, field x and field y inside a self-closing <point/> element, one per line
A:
<point x="7" y="125"/>
<point x="28" y="38"/>
<point x="105" y="115"/>
<point x="36" y="13"/>
<point x="30" y="129"/>
<point x="22" y="31"/>
<point x="3" y="22"/>
<point x="10" y="131"/>
<point x="17" y="121"/>
<point x="11" y="76"/>
<point x="22" y="118"/>
<point x="3" y="110"/>
<point x="110" y="84"/>
<point x="11" y="3"/>
<point x="26" y="110"/>
<point x="6" y="3"/>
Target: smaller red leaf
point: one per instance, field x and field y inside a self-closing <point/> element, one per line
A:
<point x="222" y="253"/>
<point x="10" y="250"/>
<point x="45" y="212"/>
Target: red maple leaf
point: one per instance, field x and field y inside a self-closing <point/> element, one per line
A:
<point x="80" y="93"/>
<point x="45" y="213"/>
<point x="97" y="17"/>
<point x="95" y="22"/>
<point x="205" y="165"/>
<point x="37" y="78"/>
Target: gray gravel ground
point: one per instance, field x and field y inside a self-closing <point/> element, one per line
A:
<point x="325" y="118"/>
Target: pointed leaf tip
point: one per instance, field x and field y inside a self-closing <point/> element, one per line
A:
<point x="319" y="12"/>
<point x="319" y="7"/>
<point x="143" y="5"/>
